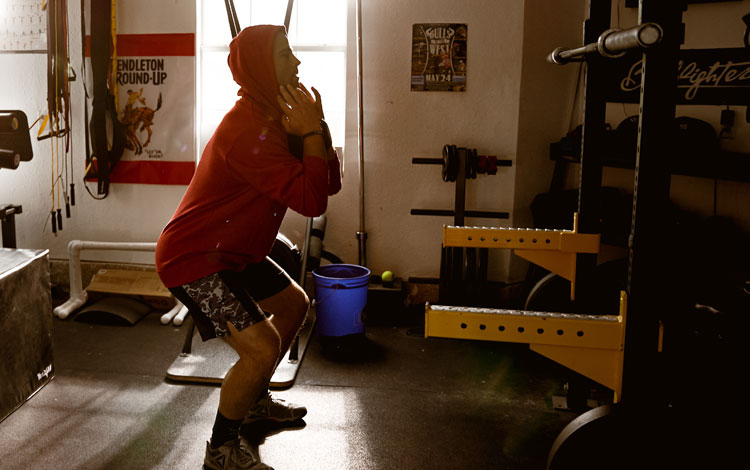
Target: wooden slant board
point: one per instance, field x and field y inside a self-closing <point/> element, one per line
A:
<point x="141" y="285"/>
<point x="209" y="361"/>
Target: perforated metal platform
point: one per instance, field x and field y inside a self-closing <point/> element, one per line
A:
<point x="209" y="361"/>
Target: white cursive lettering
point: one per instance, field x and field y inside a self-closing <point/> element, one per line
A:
<point x="692" y="77"/>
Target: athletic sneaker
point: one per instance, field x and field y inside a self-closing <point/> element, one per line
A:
<point x="235" y="454"/>
<point x="275" y="409"/>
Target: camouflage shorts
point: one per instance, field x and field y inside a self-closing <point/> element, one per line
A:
<point x="220" y="304"/>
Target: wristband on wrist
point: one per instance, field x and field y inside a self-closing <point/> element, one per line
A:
<point x="310" y="134"/>
<point x="326" y="134"/>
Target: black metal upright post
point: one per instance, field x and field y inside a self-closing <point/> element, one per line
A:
<point x="457" y="259"/>
<point x="649" y="297"/>
<point x="460" y="200"/>
<point x="8" y="224"/>
<point x="592" y="146"/>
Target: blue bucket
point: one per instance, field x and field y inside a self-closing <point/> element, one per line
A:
<point x="340" y="298"/>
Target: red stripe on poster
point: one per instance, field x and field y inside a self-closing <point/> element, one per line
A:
<point x="146" y="172"/>
<point x="133" y="45"/>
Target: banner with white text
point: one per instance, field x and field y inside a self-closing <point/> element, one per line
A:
<point x="154" y="73"/>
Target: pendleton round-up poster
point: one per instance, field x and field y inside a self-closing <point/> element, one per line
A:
<point x="154" y="73"/>
<point x="438" y="57"/>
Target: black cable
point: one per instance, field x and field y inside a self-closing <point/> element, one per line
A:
<point x="716" y="190"/>
<point x="86" y="129"/>
<point x="575" y="97"/>
<point x="89" y="191"/>
<point x="746" y="20"/>
<point x="234" y="24"/>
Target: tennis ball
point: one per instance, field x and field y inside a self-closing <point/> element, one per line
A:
<point x="387" y="276"/>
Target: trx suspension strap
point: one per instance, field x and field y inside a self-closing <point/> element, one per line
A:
<point x="104" y="108"/>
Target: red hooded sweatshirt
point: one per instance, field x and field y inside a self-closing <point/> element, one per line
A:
<point x="246" y="178"/>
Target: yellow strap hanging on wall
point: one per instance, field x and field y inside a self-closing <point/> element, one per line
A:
<point x="41" y="127"/>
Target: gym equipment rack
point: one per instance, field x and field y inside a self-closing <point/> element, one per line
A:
<point x="634" y="368"/>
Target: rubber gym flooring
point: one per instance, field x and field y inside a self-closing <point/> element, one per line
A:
<point x="389" y="400"/>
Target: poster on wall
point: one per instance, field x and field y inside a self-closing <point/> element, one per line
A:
<point x="154" y="74"/>
<point x="438" y="57"/>
<point x="23" y="26"/>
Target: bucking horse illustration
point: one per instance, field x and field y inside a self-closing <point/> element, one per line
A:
<point x="134" y="116"/>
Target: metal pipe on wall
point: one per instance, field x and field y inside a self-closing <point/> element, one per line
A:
<point x="362" y="233"/>
<point x="78" y="295"/>
<point x="308" y="224"/>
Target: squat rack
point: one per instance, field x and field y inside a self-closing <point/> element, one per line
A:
<point x="598" y="346"/>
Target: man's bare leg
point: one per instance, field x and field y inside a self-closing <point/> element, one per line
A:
<point x="289" y="308"/>
<point x="259" y="349"/>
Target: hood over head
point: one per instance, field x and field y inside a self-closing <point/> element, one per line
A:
<point x="251" y="62"/>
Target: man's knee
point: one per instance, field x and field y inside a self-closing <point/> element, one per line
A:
<point x="296" y="296"/>
<point x="302" y="302"/>
<point x="259" y="342"/>
<point x="292" y="301"/>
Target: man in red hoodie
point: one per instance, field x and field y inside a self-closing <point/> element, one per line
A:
<point x="213" y="254"/>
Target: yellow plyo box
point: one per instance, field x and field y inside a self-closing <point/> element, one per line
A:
<point x="142" y="285"/>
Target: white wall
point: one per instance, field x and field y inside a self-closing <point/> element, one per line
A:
<point x="135" y="213"/>
<point x="546" y="101"/>
<point x="514" y="106"/>
<point x="400" y="124"/>
<point x="547" y="93"/>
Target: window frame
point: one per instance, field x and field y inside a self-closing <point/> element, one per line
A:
<point x="206" y="129"/>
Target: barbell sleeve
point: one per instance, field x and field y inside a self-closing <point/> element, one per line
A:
<point x="612" y="43"/>
<point x="9" y="159"/>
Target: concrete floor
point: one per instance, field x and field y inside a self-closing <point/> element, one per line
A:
<point x="392" y="400"/>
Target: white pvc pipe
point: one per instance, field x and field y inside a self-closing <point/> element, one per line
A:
<point x="172" y="313"/>
<point x="78" y="295"/>
<point x="180" y="317"/>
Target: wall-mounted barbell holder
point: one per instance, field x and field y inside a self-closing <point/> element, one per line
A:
<point x="475" y="163"/>
<point x="463" y="271"/>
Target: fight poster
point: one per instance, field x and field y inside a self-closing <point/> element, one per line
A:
<point x="154" y="73"/>
<point x="438" y="57"/>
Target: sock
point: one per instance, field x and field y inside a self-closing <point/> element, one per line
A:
<point x="224" y="430"/>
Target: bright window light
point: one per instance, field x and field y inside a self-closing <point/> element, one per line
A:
<point x="317" y="35"/>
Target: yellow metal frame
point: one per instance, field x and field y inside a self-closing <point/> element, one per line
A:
<point x="592" y="345"/>
<point x="565" y="241"/>
<point x="554" y="250"/>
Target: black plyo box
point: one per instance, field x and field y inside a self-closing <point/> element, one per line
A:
<point x="26" y="326"/>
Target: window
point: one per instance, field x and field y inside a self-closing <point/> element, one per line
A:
<point x="317" y="35"/>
